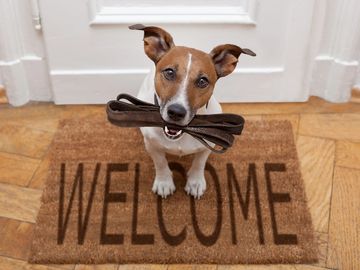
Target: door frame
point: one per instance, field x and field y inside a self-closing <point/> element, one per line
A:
<point x="331" y="70"/>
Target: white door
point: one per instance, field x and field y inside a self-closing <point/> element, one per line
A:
<point x="92" y="56"/>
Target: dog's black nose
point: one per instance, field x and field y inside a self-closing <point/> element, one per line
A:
<point x="176" y="112"/>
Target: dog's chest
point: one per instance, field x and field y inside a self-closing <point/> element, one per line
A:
<point x="186" y="145"/>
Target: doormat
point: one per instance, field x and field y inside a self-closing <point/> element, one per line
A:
<point x="98" y="207"/>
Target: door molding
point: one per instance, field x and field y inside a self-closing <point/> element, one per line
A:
<point x="11" y="64"/>
<point x="242" y="13"/>
<point x="25" y="75"/>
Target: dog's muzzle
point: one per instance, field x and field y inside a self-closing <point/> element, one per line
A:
<point x="175" y="113"/>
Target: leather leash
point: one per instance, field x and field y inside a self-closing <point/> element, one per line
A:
<point x="214" y="128"/>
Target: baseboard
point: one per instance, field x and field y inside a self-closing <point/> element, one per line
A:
<point x="334" y="78"/>
<point x="15" y="82"/>
<point x="99" y="86"/>
<point x="26" y="79"/>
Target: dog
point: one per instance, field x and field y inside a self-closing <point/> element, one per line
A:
<point x="182" y="83"/>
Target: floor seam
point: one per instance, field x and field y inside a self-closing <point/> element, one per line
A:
<point x="331" y="200"/>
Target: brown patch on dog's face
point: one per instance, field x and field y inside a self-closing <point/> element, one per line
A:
<point x="193" y="70"/>
<point x="185" y="77"/>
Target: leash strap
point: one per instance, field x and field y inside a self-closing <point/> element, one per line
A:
<point x="218" y="129"/>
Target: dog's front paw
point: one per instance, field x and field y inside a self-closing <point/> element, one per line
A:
<point x="163" y="187"/>
<point x="195" y="185"/>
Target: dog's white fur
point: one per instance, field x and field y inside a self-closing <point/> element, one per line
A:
<point x="157" y="144"/>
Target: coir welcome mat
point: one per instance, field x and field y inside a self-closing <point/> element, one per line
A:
<point x="97" y="206"/>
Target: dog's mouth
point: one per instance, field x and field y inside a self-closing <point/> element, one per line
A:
<point x="172" y="133"/>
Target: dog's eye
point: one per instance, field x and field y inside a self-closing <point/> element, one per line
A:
<point x="202" y="82"/>
<point x="169" y="74"/>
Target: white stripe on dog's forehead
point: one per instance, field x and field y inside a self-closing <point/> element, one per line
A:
<point x="182" y="93"/>
<point x="185" y="82"/>
<point x="188" y="64"/>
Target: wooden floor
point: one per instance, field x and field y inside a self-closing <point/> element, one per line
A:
<point x="328" y="143"/>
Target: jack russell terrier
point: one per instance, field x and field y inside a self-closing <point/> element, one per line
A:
<point x="182" y="83"/>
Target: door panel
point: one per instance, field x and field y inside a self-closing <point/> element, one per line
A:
<point x="93" y="56"/>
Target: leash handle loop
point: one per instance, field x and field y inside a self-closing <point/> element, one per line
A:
<point x="217" y="129"/>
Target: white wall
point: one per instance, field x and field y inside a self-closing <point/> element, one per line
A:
<point x="22" y="55"/>
<point x="333" y="55"/>
<point x="335" y="49"/>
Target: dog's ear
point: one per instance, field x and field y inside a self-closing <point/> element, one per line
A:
<point x="225" y="58"/>
<point x="156" y="41"/>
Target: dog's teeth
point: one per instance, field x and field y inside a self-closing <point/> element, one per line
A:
<point x="172" y="134"/>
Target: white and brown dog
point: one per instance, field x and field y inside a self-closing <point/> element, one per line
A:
<point x="182" y="82"/>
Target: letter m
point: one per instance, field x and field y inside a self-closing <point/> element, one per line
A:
<point x="244" y="203"/>
<point x="82" y="222"/>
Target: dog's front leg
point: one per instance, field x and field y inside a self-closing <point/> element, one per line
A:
<point x="163" y="184"/>
<point x="196" y="183"/>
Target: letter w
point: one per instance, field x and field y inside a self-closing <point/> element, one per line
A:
<point x="82" y="222"/>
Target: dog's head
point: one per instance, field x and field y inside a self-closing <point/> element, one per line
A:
<point x="185" y="77"/>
